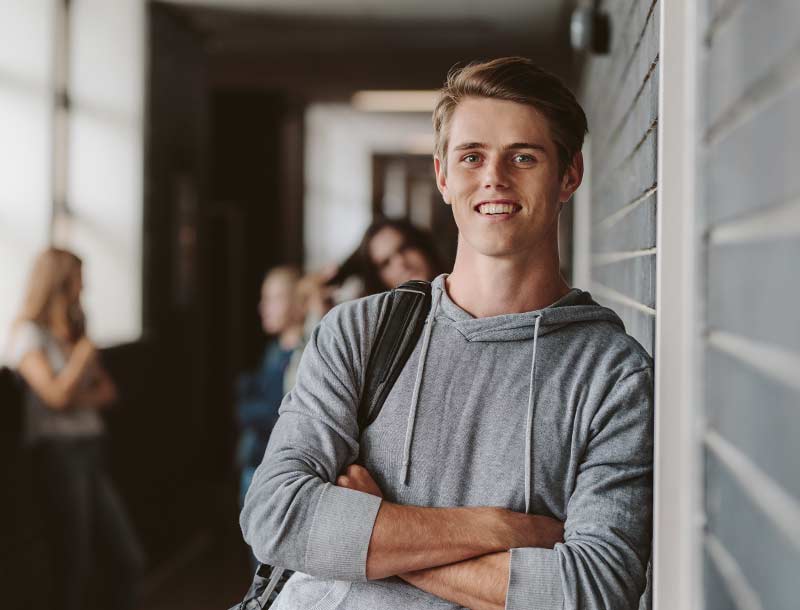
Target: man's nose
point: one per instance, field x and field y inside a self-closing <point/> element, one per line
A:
<point x="494" y="174"/>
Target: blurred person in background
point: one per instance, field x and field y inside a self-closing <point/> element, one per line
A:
<point x="396" y="251"/>
<point x="317" y="296"/>
<point x="259" y="392"/>
<point x="67" y="387"/>
<point x="392" y="251"/>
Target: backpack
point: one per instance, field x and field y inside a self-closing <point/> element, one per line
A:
<point x="400" y="325"/>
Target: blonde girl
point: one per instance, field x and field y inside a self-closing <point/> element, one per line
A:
<point x="67" y="387"/>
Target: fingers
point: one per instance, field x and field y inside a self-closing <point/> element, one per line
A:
<point x="351" y="476"/>
<point x="356" y="470"/>
<point x="358" y="478"/>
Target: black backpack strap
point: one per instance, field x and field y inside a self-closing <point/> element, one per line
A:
<point x="267" y="583"/>
<point x="400" y="327"/>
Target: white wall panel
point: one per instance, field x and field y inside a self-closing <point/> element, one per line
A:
<point x="105" y="162"/>
<point x="25" y="114"/>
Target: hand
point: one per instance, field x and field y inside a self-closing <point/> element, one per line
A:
<point x="358" y="478"/>
<point x="533" y="530"/>
<point x="84" y="349"/>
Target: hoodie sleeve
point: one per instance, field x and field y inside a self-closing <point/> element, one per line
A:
<point x="607" y="534"/>
<point x="293" y="514"/>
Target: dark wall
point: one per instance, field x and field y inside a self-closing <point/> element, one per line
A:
<point x="253" y="220"/>
<point x="255" y="207"/>
<point x="158" y="443"/>
<point x="24" y="559"/>
<point x="223" y="203"/>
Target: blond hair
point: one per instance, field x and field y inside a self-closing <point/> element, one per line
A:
<point x="51" y="276"/>
<point x="515" y="79"/>
<point x="288" y="273"/>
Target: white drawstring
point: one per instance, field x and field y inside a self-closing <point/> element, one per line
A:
<point x="529" y="424"/>
<point x="412" y="414"/>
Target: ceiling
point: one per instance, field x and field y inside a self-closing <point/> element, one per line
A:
<point x="330" y="48"/>
<point x="533" y="16"/>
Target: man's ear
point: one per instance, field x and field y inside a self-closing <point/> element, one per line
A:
<point x="572" y="178"/>
<point x="441" y="179"/>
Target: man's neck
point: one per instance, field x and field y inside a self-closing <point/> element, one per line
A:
<point x="491" y="286"/>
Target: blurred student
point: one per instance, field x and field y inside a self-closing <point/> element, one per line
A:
<point x="395" y="251"/>
<point x="391" y="252"/>
<point x="67" y="387"/>
<point x="259" y="392"/>
<point x="317" y="297"/>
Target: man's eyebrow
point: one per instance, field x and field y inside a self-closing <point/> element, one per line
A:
<point x="533" y="145"/>
<point x="469" y="145"/>
<point x="514" y="146"/>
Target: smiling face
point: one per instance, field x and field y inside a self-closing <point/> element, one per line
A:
<point x="502" y="178"/>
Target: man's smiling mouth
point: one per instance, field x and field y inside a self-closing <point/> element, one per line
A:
<point x="497" y="207"/>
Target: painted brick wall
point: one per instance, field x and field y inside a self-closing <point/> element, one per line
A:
<point x="620" y="94"/>
<point x="749" y="99"/>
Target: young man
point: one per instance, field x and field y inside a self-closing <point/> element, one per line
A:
<point x="524" y="408"/>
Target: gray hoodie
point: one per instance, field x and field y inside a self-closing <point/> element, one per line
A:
<point x="547" y="412"/>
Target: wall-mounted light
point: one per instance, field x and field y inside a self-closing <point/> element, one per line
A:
<point x="590" y="29"/>
<point x="395" y="101"/>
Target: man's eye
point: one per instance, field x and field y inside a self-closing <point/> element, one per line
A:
<point x="471" y="158"/>
<point x="523" y="158"/>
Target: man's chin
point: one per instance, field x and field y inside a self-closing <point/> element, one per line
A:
<point x="507" y="245"/>
<point x="500" y="249"/>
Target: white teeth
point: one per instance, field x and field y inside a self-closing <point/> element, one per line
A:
<point x="496" y="208"/>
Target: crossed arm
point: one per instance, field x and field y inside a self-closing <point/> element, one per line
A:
<point x="83" y="380"/>
<point x="458" y="554"/>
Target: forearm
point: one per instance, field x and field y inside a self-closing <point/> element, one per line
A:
<point x="67" y="384"/>
<point x="480" y="583"/>
<point x="409" y="538"/>
<point x="81" y="364"/>
<point x="64" y="391"/>
<point x="100" y="393"/>
<point x="99" y="396"/>
<point x="57" y="390"/>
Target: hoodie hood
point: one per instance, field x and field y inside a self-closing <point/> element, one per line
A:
<point x="576" y="306"/>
